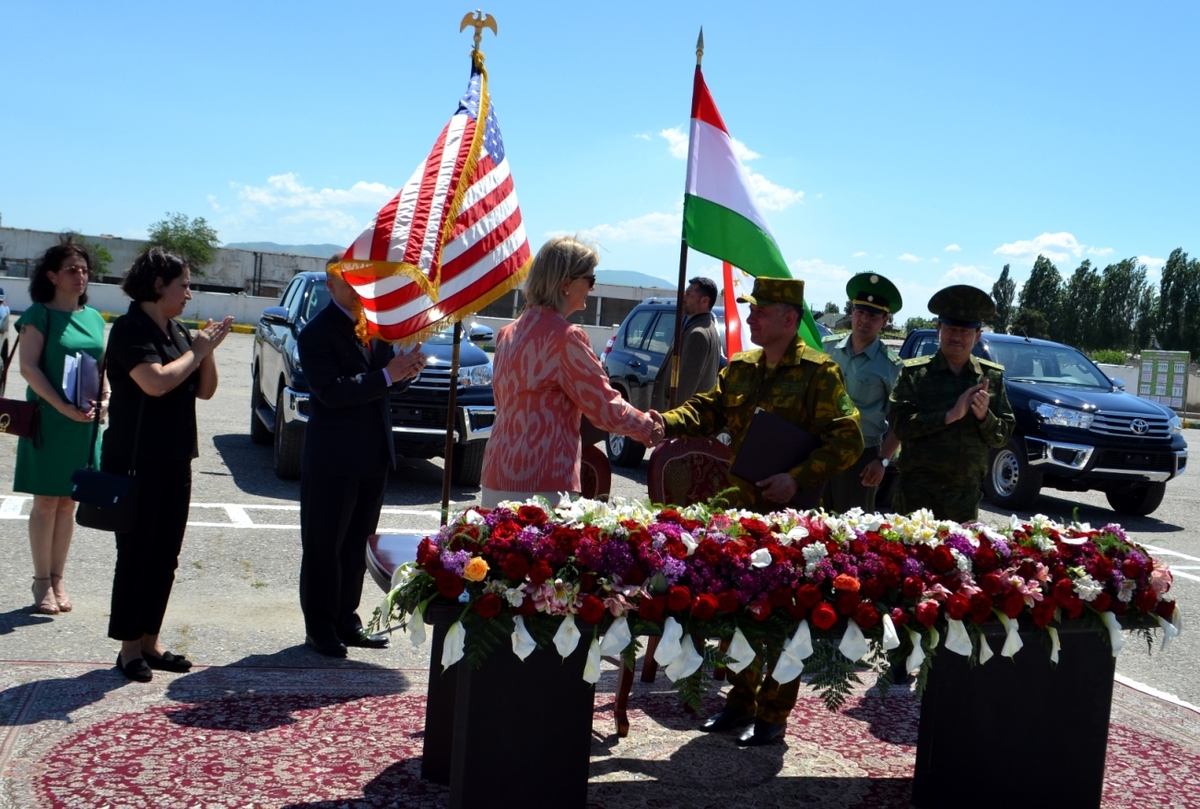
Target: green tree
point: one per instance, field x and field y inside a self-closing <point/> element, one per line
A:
<point x="914" y="323"/>
<point x="1003" y="292"/>
<point x="1147" y="313"/>
<point x="1031" y="323"/>
<point x="1120" y="293"/>
<point x="1041" y="295"/>
<point x="1178" y="320"/>
<point x="102" y="256"/>
<point x="832" y="308"/>
<point x="193" y="240"/>
<point x="1082" y="300"/>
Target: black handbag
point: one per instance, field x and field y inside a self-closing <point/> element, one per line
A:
<point x="107" y="500"/>
<point x="18" y="417"/>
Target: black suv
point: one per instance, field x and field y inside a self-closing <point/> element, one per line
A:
<point x="279" y="394"/>
<point x="1077" y="429"/>
<point x="632" y="357"/>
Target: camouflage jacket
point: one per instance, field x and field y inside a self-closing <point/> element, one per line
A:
<point x="953" y="454"/>
<point x="805" y="388"/>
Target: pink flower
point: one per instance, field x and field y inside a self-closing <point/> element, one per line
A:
<point x="1160" y="580"/>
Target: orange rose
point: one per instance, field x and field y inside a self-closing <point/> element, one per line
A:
<point x="475" y="570"/>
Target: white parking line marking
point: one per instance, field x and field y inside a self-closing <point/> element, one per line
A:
<point x="10" y="509"/>
<point x="1157" y="551"/>
<point x="238" y="516"/>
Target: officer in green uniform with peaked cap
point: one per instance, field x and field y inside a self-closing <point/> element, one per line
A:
<point x="804" y="386"/>
<point x="870" y="374"/>
<point x="948" y="409"/>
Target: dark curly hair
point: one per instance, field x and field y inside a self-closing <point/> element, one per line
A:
<point x="156" y="262"/>
<point x="41" y="289"/>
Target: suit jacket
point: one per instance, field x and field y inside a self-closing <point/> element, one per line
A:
<point x="349" y="429"/>
<point x="700" y="360"/>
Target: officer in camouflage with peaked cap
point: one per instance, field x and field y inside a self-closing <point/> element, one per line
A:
<point x="949" y="410"/>
<point x="798" y="383"/>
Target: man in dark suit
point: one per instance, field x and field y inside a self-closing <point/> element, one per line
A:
<point x="347" y="452"/>
<point x="700" y="349"/>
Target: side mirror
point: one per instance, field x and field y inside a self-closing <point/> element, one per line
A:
<point x="1117" y="383"/>
<point x="277" y="315"/>
<point x="478" y="333"/>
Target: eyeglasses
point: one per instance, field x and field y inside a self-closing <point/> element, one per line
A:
<point x="591" y="279"/>
<point x="74" y="271"/>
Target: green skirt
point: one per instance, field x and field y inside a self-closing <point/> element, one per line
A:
<point x="47" y="470"/>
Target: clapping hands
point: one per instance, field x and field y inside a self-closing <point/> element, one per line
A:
<point x="406" y="366"/>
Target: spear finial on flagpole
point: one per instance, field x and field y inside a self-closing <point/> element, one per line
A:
<point x="700" y="47"/>
<point x="479" y="21"/>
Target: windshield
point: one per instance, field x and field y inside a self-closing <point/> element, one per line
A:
<point x="1052" y="365"/>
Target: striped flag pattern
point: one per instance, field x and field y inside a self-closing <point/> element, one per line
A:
<point x="451" y="241"/>
<point x="720" y="216"/>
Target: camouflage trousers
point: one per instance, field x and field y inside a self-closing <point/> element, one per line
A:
<point x="758" y="695"/>
<point x="957" y="503"/>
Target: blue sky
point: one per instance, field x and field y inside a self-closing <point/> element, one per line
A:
<point x="930" y="142"/>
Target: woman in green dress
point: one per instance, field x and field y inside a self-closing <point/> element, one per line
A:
<point x="56" y="324"/>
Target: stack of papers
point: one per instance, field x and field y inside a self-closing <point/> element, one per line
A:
<point x="81" y="380"/>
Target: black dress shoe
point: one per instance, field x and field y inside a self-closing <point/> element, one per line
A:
<point x="330" y="647"/>
<point x="726" y="720"/>
<point x="761" y="733"/>
<point x="168" y="662"/>
<point x="364" y="641"/>
<point x="136" y="670"/>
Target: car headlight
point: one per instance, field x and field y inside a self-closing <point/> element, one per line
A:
<point x="1175" y="425"/>
<point x="1064" y="416"/>
<point x="475" y="376"/>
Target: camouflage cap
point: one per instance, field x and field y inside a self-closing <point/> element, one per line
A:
<point x="962" y="305"/>
<point x="873" y="291"/>
<point x="775" y="290"/>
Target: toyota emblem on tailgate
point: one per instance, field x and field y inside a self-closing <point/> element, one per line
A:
<point x="1139" y="426"/>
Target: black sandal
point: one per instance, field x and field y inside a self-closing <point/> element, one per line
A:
<point x="168" y="662"/>
<point x="136" y="670"/>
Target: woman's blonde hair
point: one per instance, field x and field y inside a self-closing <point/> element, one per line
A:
<point x="560" y="259"/>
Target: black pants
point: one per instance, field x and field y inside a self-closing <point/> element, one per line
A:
<point x="148" y="556"/>
<point x="845" y="490"/>
<point x="337" y="514"/>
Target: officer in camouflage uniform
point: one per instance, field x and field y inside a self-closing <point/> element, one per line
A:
<point x="948" y="409"/>
<point x="804" y="386"/>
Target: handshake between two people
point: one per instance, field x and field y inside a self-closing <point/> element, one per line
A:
<point x="660" y="427"/>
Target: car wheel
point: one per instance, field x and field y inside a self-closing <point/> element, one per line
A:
<point x="1010" y="482"/>
<point x="1138" y="499"/>
<point x="624" y="451"/>
<point x="259" y="433"/>
<point x="289" y="445"/>
<point x="467" y="466"/>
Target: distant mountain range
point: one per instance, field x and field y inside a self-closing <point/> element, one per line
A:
<point x="631" y="278"/>
<point x="318" y="250"/>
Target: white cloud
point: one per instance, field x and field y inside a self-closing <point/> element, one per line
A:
<point x="642" y="136"/>
<point x="952" y="248"/>
<point x="287" y="209"/>
<point x="1099" y="251"/>
<point x="968" y="274"/>
<point x="807" y="268"/>
<point x="935" y="261"/>
<point x="1057" y="247"/>
<point x="768" y="195"/>
<point x="677" y="142"/>
<point x="1152" y="263"/>
<point x="860" y="254"/>
<point x="909" y="257"/>
<point x="652" y="228"/>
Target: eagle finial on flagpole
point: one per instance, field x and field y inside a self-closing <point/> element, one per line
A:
<point x="480" y="21"/>
<point x="699" y="46"/>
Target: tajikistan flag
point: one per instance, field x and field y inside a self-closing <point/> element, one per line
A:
<point x="720" y="216"/>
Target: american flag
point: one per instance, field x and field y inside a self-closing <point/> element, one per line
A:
<point x="451" y="241"/>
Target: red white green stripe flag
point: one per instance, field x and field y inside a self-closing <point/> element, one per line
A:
<point x="720" y="216"/>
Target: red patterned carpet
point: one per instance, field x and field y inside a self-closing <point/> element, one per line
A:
<point x="79" y="736"/>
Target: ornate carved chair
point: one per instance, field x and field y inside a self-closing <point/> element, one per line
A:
<point x="682" y="471"/>
<point x="595" y="474"/>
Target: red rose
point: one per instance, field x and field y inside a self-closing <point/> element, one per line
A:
<point x="426" y="551"/>
<point x="531" y="515"/>
<point x="957" y="605"/>
<point x="1165" y="609"/>
<point x="980" y="607"/>
<point x="846" y="583"/>
<point x="866" y="615"/>
<point x="927" y="613"/>
<point x="760" y="609"/>
<point x="1102" y="602"/>
<point x="847" y="603"/>
<point x="992" y="584"/>
<point x="591" y="609"/>
<point x="516" y="566"/>
<point x="1146" y="600"/>
<point x="727" y="601"/>
<point x="808" y="595"/>
<point x="652" y="609"/>
<point x="986" y="558"/>
<point x="899" y="617"/>
<point x="1013" y="603"/>
<point x="873" y="589"/>
<point x="796" y="612"/>
<point x="912" y="588"/>
<point x="942" y="560"/>
<point x="1063" y="591"/>
<point x="1132" y="568"/>
<point x="1102" y="569"/>
<point x="890" y="575"/>
<point x="489" y="606"/>
<point x="676" y="548"/>
<point x="679" y="599"/>
<point x="1043" y="613"/>
<point x="668" y="515"/>
<point x="824" y="617"/>
<point x="1074" y="607"/>
<point x="527" y="607"/>
<point x="540" y="572"/>
<point x="704" y="606"/>
<point x="449" y="585"/>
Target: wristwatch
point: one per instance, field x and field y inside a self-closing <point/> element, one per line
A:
<point x="886" y="463"/>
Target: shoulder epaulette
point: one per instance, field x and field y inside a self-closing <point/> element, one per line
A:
<point x="746" y="356"/>
<point x="913" y="362"/>
<point x="989" y="364"/>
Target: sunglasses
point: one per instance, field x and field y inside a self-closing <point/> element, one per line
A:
<point x="591" y="279"/>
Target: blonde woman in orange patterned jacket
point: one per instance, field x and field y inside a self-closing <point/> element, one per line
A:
<point x="546" y="375"/>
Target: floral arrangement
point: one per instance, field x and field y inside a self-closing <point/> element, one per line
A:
<point x="800" y="590"/>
